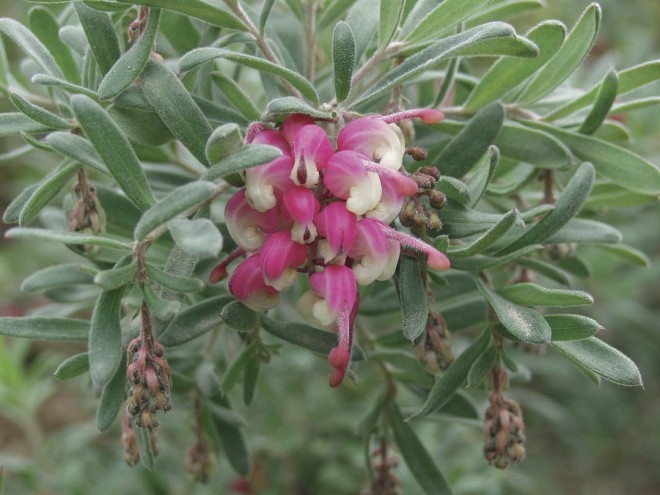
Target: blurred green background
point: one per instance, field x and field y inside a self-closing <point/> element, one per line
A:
<point x="582" y="439"/>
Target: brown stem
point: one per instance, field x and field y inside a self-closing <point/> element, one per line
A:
<point x="548" y="183"/>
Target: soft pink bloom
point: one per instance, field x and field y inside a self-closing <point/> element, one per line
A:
<point x="272" y="138"/>
<point x="292" y="124"/>
<point x="390" y="204"/>
<point x="311" y="150"/>
<point x="300" y="206"/>
<point x="247" y="225"/>
<point x="338" y="226"/>
<point x="372" y="249"/>
<point x="247" y="285"/>
<point x="347" y="178"/>
<point x="265" y="184"/>
<point x="375" y="139"/>
<point x="280" y="257"/>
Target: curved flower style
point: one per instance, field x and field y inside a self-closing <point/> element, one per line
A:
<point x="325" y="213"/>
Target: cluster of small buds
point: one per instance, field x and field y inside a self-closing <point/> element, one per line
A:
<point x="149" y="382"/>
<point x="87" y="215"/>
<point x="416" y="213"/>
<point x="324" y="210"/>
<point x="504" y="432"/>
<point x="435" y="349"/>
<point x="385" y="481"/>
<point x="199" y="461"/>
<point x="129" y="442"/>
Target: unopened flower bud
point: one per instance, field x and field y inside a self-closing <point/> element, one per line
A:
<point x="437" y="199"/>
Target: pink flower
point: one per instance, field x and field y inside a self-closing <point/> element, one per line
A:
<point x="292" y="124"/>
<point x="311" y="150"/>
<point x="265" y="184"/>
<point x="247" y="225"/>
<point x="300" y="206"/>
<point x="247" y="285"/>
<point x="279" y="258"/>
<point x="375" y="139"/>
<point x="338" y="226"/>
<point x="372" y="249"/>
<point x="347" y="178"/>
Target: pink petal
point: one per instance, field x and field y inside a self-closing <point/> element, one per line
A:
<point x="335" y="284"/>
<point x="300" y="206"/>
<point x="375" y="139"/>
<point x="280" y="256"/>
<point x="266" y="183"/>
<point x="245" y="224"/>
<point x="292" y="124"/>
<point x="390" y="204"/>
<point x="247" y="285"/>
<point x="273" y="138"/>
<point x="347" y="179"/>
<point x="435" y="259"/>
<point x="311" y="149"/>
<point x="372" y="249"/>
<point x="338" y="226"/>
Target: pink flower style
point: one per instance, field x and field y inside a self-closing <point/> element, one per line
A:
<point x="326" y="213"/>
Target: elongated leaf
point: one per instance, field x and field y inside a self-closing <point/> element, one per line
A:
<point x="577" y="45"/>
<point x="629" y="106"/>
<point x="202" y="55"/>
<point x="479" y="181"/>
<point x="232" y="439"/>
<point x="627" y="253"/>
<point x="37" y="113"/>
<point x="105" y="349"/>
<point x="583" y="231"/>
<point x="248" y="156"/>
<point x="46" y="80"/>
<point x="343" y="59"/>
<point x="290" y="104"/>
<point x="64" y="275"/>
<point x="546" y="269"/>
<point x="64" y="237"/>
<point x="507" y="73"/>
<point x="481" y="367"/>
<point x="112" y="398"/>
<point x="179" y="201"/>
<point x="250" y="377"/>
<point x="224" y="141"/>
<point x="435" y="54"/>
<point x="173" y="103"/>
<point x="388" y="20"/>
<point x="622" y="166"/>
<point x="236" y="95"/>
<point x="480" y="263"/>
<point x="307" y="337"/>
<point x="462" y="222"/>
<point x="604" y="101"/>
<point x="116" y="277"/>
<point x="239" y="317"/>
<point x="13" y="123"/>
<point x="163" y="309"/>
<point x="567" y="206"/>
<point x="200" y="9"/>
<point x="72" y="367"/>
<point x="445" y="16"/>
<point x="48" y="188"/>
<point x="602" y="359"/>
<point x="417" y="458"/>
<point x="45" y="27"/>
<point x="414" y="305"/>
<point x="114" y="149"/>
<point x="174" y="282"/>
<point x="78" y="149"/>
<point x="526" y="324"/>
<point x="529" y="294"/>
<point x="13" y="210"/>
<point x="504" y="9"/>
<point x="194" y="321"/>
<point x="145" y="447"/>
<point x="362" y="17"/>
<point x="199" y="237"/>
<point x="265" y="13"/>
<point x="31" y="45"/>
<point x="233" y="373"/>
<point x="454" y="377"/>
<point x="572" y="327"/>
<point x="453" y="189"/>
<point x="40" y="328"/>
<point x="492" y="235"/>
<point x="130" y="64"/>
<point x="100" y="32"/>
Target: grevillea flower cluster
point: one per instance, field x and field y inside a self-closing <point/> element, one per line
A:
<point x="325" y="211"/>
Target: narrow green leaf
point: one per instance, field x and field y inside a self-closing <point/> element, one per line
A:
<point x="202" y="55"/>
<point x="417" y="458"/>
<point x="485" y="241"/>
<point x="233" y="373"/>
<point x="174" y="282"/>
<point x="72" y="367"/>
<point x="232" y="439"/>
<point x="603" y="104"/>
<point x="40" y="328"/>
<point x="629" y="106"/>
<point x="333" y="11"/>
<point x="31" y="45"/>
<point x="447" y="82"/>
<point x="504" y="9"/>
<point x="469" y="145"/>
<point x="454" y="377"/>
<point x="145" y="447"/>
<point x="46" y="80"/>
<point x="562" y="64"/>
<point x="57" y="276"/>
<point x="12" y="123"/>
<point x="112" y="398"/>
<point x="526" y="324"/>
<point x="130" y="64"/>
<point x="224" y="141"/>
<point x="116" y="277"/>
<point x="529" y="294"/>
<point x="146" y="128"/>
<point x="45" y="27"/>
<point x="404" y="361"/>
<point x="290" y="104"/>
<point x="114" y="149"/>
<point x="37" y="113"/>
<point x="100" y="32"/>
<point x="74" y="37"/>
<point x="479" y="181"/>
<point x="194" y="321"/>
<point x="462" y="222"/>
<point x="105" y="349"/>
<point x="388" y="20"/>
<point x="265" y="13"/>
<point x="572" y="327"/>
<point x="179" y="201"/>
<point x="481" y="367"/>
<point x="48" y="188"/>
<point x="622" y="166"/>
<point x="207" y="379"/>
<point x="585" y="231"/>
<point x="173" y="103"/>
<point x="444" y="17"/>
<point x="412" y="295"/>
<point x="250" y="377"/>
<point x="362" y="17"/>
<point x="64" y="237"/>
<point x="453" y="189"/>
<point x="627" y="253"/>
<point x="199" y="237"/>
<point x="546" y="269"/>
<point x="35" y="143"/>
<point x="163" y="309"/>
<point x="248" y="156"/>
<point x="239" y="317"/>
<point x="480" y="263"/>
<point x="533" y="146"/>
<point x="507" y="72"/>
<point x="235" y="94"/>
<point x="13" y="210"/>
<point x="567" y="206"/>
<point x="435" y="54"/>
<point x="199" y="9"/>
<point x="602" y="359"/>
<point x="305" y="336"/>
<point x="343" y="59"/>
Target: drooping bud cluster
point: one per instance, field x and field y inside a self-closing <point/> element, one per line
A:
<point x="435" y="349"/>
<point x="199" y="461"/>
<point x="87" y="215"/>
<point x="149" y="382"/>
<point x="504" y="432"/>
<point x="416" y="213"/>
<point x="385" y="480"/>
<point x="325" y="211"/>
